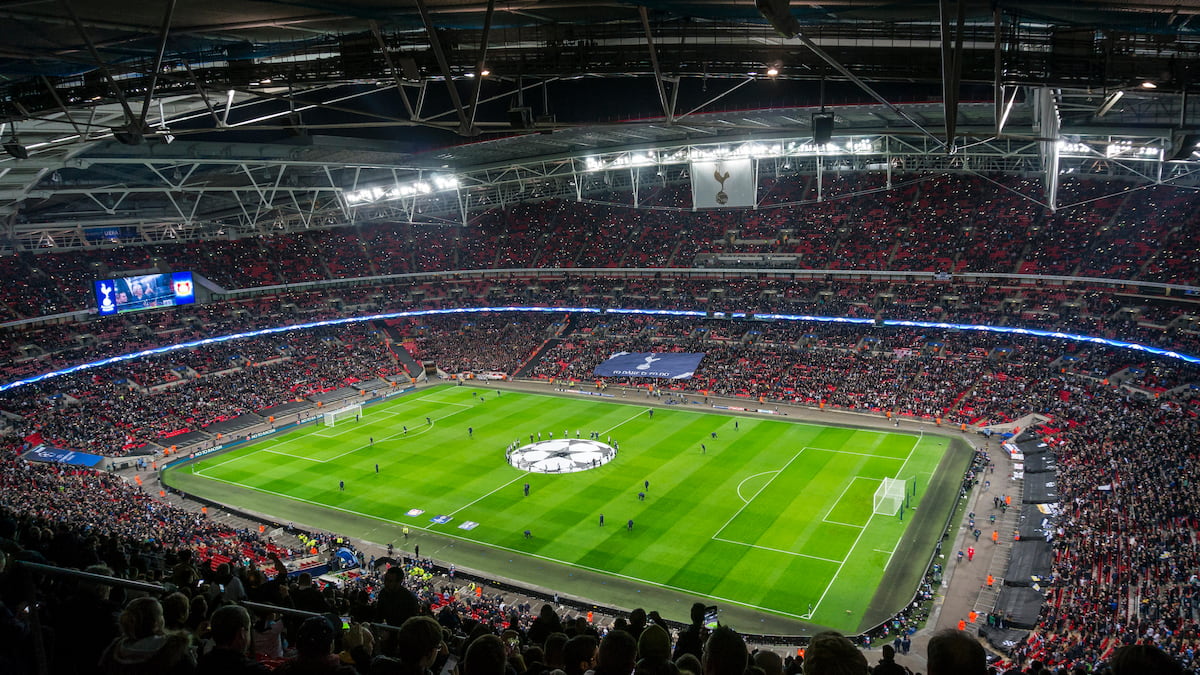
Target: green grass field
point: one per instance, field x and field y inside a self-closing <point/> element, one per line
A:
<point x="774" y="516"/>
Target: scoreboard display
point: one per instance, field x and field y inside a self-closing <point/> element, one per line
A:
<point x="147" y="291"/>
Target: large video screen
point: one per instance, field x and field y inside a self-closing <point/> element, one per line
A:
<point x="148" y="291"/>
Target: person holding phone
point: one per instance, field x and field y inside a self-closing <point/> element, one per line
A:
<point x="691" y="640"/>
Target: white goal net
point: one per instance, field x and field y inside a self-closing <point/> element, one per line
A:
<point x="334" y="416"/>
<point x="890" y="496"/>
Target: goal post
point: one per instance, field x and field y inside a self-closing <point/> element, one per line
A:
<point x="889" y="497"/>
<point x="334" y="416"/>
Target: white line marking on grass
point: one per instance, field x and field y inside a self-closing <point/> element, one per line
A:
<point x="825" y="518"/>
<point x="908" y="457"/>
<point x="879" y="550"/>
<point x="213" y="466"/>
<point x="842" y="566"/>
<point x="779" y="550"/>
<point x="452" y="535"/>
<point x="739" y="487"/>
<point x="856" y="454"/>
<point x="487" y="495"/>
<point x="618" y="424"/>
<point x="288" y="454"/>
<point x="835" y="522"/>
<point x="764" y="487"/>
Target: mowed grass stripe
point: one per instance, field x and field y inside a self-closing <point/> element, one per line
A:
<point x="443" y="470"/>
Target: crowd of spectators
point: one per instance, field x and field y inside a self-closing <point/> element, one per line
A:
<point x="939" y="222"/>
<point x="115" y="410"/>
<point x="1105" y="313"/>
<point x="1126" y="556"/>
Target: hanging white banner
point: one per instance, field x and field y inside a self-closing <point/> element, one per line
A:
<point x="723" y="184"/>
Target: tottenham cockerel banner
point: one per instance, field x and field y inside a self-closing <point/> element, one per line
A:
<point x="674" y="366"/>
<point x="723" y="184"/>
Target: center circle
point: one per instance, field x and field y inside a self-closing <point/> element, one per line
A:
<point x="567" y="455"/>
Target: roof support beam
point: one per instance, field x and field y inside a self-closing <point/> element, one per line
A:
<point x="391" y="66"/>
<point x="480" y="65"/>
<point x="87" y="39"/>
<point x="667" y="107"/>
<point x="66" y="111"/>
<point x="951" y="63"/>
<point x="439" y="53"/>
<point x="158" y="57"/>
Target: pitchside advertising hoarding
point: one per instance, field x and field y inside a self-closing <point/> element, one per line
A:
<point x="147" y="291"/>
<point x="671" y="366"/>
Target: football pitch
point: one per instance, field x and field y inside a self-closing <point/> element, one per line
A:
<point x="760" y="513"/>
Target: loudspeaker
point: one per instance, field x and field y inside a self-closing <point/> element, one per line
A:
<point x="1184" y="148"/>
<point x="17" y="150"/>
<point x="130" y="134"/>
<point x="520" y="118"/>
<point x="822" y="124"/>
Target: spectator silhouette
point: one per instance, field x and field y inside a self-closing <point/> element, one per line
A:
<point x="724" y="653"/>
<point x="617" y="654"/>
<point x="831" y="653"/>
<point x="396" y="603"/>
<point x="1142" y="659"/>
<point x="654" y="652"/>
<point x="954" y="652"/>
<point x="144" y="646"/>
<point x="230" y="633"/>
<point x="547" y="622"/>
<point x="314" y="651"/>
<point x="770" y="662"/>
<point x="486" y="655"/>
<point x="691" y="639"/>
<point x="887" y="664"/>
<point x="579" y="654"/>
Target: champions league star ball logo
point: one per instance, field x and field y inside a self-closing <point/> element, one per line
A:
<point x="722" y="197"/>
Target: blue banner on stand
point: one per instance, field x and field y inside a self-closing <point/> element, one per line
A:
<point x="46" y="453"/>
<point x="673" y="365"/>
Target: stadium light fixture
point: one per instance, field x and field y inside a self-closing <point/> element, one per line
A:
<point x="1149" y="85"/>
<point x="772" y="71"/>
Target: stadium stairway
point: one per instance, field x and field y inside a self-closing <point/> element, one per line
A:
<point x="406" y="359"/>
<point x="545" y="347"/>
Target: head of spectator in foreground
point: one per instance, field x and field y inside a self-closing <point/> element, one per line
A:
<point x="487" y="655"/>
<point x="230" y="628"/>
<point x="314" y="638"/>
<point x="142" y="618"/>
<point x="688" y="664"/>
<point x="725" y="653"/>
<point x="418" y="642"/>
<point x="770" y="662"/>
<point x="1139" y="659"/>
<point x="579" y="654"/>
<point x="831" y="653"/>
<point x="654" y="646"/>
<point x="617" y="654"/>
<point x="554" y="649"/>
<point x="954" y="652"/>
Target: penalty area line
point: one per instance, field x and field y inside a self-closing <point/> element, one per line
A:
<point x="779" y="550"/>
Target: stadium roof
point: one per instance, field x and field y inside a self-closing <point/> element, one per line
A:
<point x="181" y="119"/>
